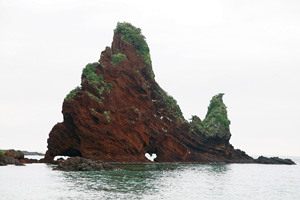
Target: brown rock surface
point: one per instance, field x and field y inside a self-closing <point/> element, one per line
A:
<point x="120" y="113"/>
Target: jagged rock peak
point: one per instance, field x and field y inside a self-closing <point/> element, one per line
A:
<point x="120" y="112"/>
<point x="125" y="34"/>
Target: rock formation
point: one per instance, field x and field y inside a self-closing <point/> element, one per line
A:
<point x="82" y="164"/>
<point x="9" y="160"/>
<point x="274" y="161"/>
<point x="119" y="113"/>
<point x="14" y="157"/>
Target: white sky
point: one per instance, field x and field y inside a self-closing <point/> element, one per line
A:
<point x="248" y="50"/>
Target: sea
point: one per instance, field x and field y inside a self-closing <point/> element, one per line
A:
<point x="153" y="181"/>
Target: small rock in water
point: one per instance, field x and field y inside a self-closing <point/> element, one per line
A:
<point x="274" y="160"/>
<point x="82" y="164"/>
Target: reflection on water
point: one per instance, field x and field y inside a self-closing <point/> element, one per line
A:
<point x="218" y="169"/>
<point x="146" y="180"/>
<point x="152" y="181"/>
<point x="131" y="181"/>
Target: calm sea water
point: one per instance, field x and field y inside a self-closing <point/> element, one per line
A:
<point x="184" y="181"/>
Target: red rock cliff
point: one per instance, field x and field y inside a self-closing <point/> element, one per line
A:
<point x="120" y="113"/>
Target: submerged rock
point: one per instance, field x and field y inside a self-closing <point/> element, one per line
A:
<point x="82" y="164"/>
<point x="274" y="160"/>
<point x="120" y="113"/>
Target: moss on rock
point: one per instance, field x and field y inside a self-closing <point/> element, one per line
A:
<point x="196" y="125"/>
<point x="170" y="103"/>
<point x="216" y="120"/>
<point x="134" y="36"/>
<point x="94" y="79"/>
<point x="72" y="93"/>
<point x="117" y="58"/>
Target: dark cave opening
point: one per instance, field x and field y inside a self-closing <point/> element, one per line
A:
<point x="72" y="152"/>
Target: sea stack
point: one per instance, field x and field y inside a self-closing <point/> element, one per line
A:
<point x="120" y="112"/>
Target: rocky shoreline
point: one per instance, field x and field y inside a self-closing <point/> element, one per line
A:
<point x="16" y="157"/>
<point x="82" y="164"/>
<point x="274" y="160"/>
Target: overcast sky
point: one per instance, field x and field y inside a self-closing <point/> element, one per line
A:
<point x="249" y="50"/>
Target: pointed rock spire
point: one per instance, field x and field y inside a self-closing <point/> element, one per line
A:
<point x="216" y="120"/>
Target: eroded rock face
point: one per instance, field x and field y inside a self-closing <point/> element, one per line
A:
<point x="120" y="113"/>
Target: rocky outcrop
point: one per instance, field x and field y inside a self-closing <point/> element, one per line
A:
<point x="82" y="164"/>
<point x="11" y="157"/>
<point x="119" y="113"/>
<point x="9" y="160"/>
<point x="274" y="160"/>
<point x="14" y="157"/>
<point x="17" y="154"/>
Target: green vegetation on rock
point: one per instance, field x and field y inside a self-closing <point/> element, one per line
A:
<point x="89" y="72"/>
<point x="107" y="115"/>
<point x="72" y="93"/>
<point x="196" y="125"/>
<point x="173" y="107"/>
<point x="99" y="100"/>
<point x="2" y="153"/>
<point x="115" y="59"/>
<point x="216" y="120"/>
<point x="134" y="36"/>
<point x="94" y="112"/>
<point x="171" y="104"/>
